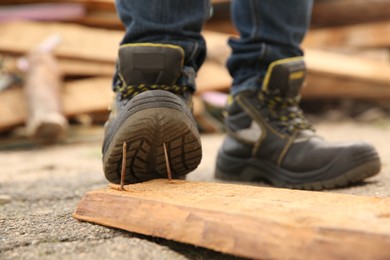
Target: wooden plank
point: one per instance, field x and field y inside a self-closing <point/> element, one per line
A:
<point x="19" y="2"/>
<point x="346" y="12"/>
<point x="73" y="67"/>
<point x="217" y="46"/>
<point x="76" y="68"/>
<point x="89" y="95"/>
<point x="81" y="96"/>
<point x="78" y="42"/>
<point x="325" y="13"/>
<point x="101" y="19"/>
<point x="43" y="12"/>
<point x="45" y="121"/>
<point x="348" y="67"/>
<point x="13" y="111"/>
<point x="332" y="75"/>
<point x="248" y="221"/>
<point x="321" y="86"/>
<point x="104" y="5"/>
<point x="328" y="13"/>
<point x="356" y="68"/>
<point x="329" y="74"/>
<point x="373" y="35"/>
<point x="92" y="95"/>
<point x="213" y="76"/>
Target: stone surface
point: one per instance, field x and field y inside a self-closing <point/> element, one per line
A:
<point x="42" y="186"/>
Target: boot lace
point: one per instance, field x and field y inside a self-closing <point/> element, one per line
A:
<point x="285" y="113"/>
<point x="130" y="91"/>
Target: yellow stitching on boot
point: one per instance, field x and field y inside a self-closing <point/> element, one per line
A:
<point x="297" y="75"/>
<point x="271" y="67"/>
<point x="286" y="148"/>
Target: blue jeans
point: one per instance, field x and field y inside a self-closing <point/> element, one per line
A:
<point x="269" y="30"/>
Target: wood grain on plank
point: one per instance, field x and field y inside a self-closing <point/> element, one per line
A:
<point x="249" y="221"/>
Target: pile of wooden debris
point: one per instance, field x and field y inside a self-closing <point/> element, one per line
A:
<point x="347" y="53"/>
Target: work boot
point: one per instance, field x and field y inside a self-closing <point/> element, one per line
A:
<point x="269" y="139"/>
<point x="151" y="112"/>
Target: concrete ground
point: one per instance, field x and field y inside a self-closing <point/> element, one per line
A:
<point x="41" y="186"/>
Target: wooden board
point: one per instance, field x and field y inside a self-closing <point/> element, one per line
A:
<point x="92" y="95"/>
<point x="213" y="77"/>
<point x="81" y="96"/>
<point x="329" y="74"/>
<point x="332" y="75"/>
<point x="373" y="35"/>
<point x="346" y="12"/>
<point x="320" y="86"/>
<point x="349" y="67"/>
<point x="73" y="67"/>
<point x="78" y="42"/>
<point x="102" y="19"/>
<point x="43" y="12"/>
<point x="325" y="62"/>
<point x="248" y="221"/>
<point x="105" y="5"/>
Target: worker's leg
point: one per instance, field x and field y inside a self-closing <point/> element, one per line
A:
<point x="268" y="136"/>
<point x="269" y="30"/>
<point x="173" y="22"/>
<point x="157" y="62"/>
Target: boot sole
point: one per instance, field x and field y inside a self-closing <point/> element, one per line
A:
<point x="247" y="171"/>
<point x="147" y="122"/>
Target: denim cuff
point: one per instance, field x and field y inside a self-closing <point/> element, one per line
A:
<point x="252" y="84"/>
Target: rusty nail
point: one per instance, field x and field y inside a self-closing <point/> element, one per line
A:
<point x="123" y="172"/>
<point x="167" y="162"/>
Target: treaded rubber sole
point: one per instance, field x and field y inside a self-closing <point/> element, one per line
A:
<point x="147" y="122"/>
<point x="274" y="176"/>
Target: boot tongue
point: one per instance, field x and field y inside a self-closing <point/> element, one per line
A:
<point x="149" y="63"/>
<point x="285" y="78"/>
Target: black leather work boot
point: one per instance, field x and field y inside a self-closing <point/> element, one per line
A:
<point x="151" y="110"/>
<point x="270" y="139"/>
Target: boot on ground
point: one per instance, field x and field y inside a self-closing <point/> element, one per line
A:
<point x="151" y="111"/>
<point x="269" y="139"/>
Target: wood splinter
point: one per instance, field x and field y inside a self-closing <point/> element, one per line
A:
<point x="123" y="172"/>
<point x="167" y="162"/>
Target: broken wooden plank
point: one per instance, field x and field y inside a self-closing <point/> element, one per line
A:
<point x="81" y="96"/>
<point x="332" y="75"/>
<point x="73" y="67"/>
<point x="329" y="74"/>
<point x="373" y="35"/>
<point x="92" y="95"/>
<point x="317" y="60"/>
<point x="102" y="19"/>
<point x="88" y="95"/>
<point x="45" y="121"/>
<point x="328" y="13"/>
<point x="213" y="76"/>
<point x="43" y="12"/>
<point x="217" y="46"/>
<point x="321" y="86"/>
<point x="348" y="67"/>
<point x="346" y="12"/>
<point x="78" y="42"/>
<point x="248" y="221"/>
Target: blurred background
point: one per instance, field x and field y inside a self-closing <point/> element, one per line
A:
<point x="57" y="59"/>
